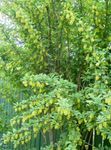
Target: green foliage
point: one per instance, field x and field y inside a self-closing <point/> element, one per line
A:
<point x="50" y="108"/>
<point x="63" y="63"/>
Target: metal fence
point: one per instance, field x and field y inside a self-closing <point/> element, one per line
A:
<point x="6" y="113"/>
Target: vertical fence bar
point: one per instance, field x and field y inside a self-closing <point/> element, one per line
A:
<point x="93" y="140"/>
<point x="40" y="140"/>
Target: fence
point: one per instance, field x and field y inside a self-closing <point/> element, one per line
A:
<point x="6" y="113"/>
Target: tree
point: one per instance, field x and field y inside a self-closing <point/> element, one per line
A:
<point x="59" y="39"/>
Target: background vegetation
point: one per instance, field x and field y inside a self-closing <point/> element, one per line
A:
<point x="58" y="52"/>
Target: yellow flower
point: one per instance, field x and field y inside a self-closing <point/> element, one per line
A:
<point x="24" y="119"/>
<point x="16" y="136"/>
<point x="22" y="142"/>
<point x="100" y="126"/>
<point x="108" y="100"/>
<point x="106" y="82"/>
<point x="25" y="83"/>
<point x="105" y="124"/>
<point x="80" y="29"/>
<point x="97" y="78"/>
<point x="35" y="129"/>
